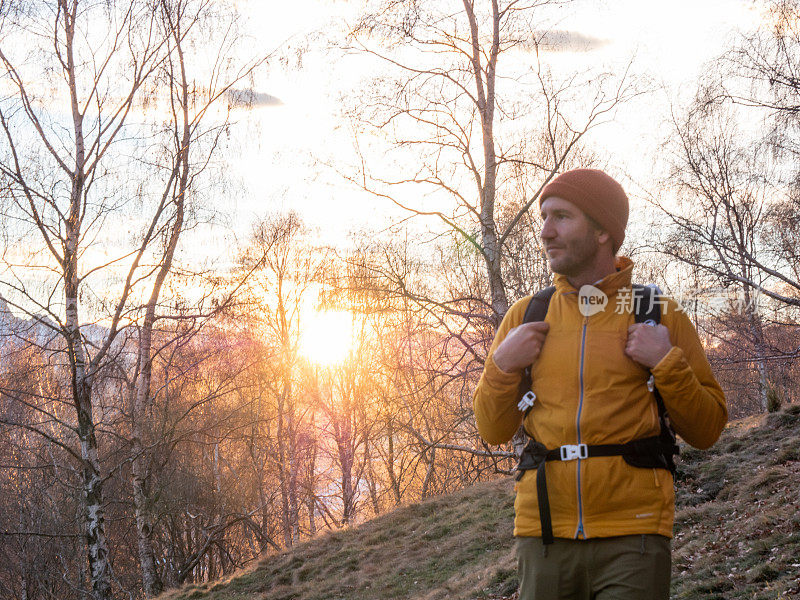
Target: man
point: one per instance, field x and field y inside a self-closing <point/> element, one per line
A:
<point x="591" y="376"/>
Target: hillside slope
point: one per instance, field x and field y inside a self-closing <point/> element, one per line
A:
<point x="737" y="535"/>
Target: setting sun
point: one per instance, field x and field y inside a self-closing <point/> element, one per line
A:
<point x="327" y="337"/>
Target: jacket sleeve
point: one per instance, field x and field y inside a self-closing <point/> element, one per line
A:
<point x="693" y="397"/>
<point x="495" y="399"/>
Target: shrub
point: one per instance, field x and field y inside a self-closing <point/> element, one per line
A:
<point x="774" y="398"/>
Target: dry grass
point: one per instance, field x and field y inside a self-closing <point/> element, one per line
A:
<point x="737" y="536"/>
<point x="737" y="532"/>
<point x="446" y="547"/>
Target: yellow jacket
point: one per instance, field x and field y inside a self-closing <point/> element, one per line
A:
<point x="588" y="391"/>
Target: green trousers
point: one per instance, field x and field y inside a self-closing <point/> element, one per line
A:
<point x="631" y="567"/>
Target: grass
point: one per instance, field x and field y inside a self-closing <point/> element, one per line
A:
<point x="737" y="536"/>
<point x="737" y="530"/>
<point x="446" y="547"/>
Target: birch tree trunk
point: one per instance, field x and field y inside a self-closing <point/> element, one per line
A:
<point x="151" y="580"/>
<point x="484" y="79"/>
<point x="94" y="524"/>
<point x="294" y="468"/>
<point x="757" y="334"/>
<point x="394" y="483"/>
<point x="343" y="436"/>
<point x="310" y="496"/>
<point x="426" y="484"/>
<point x="283" y="471"/>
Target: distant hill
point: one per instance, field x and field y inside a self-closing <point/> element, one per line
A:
<point x="39" y="330"/>
<point x="737" y="536"/>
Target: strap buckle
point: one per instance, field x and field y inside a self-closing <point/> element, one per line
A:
<point x="527" y="401"/>
<point x="573" y="451"/>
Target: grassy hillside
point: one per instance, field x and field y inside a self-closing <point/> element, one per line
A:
<point x="737" y="535"/>
<point x="737" y="530"/>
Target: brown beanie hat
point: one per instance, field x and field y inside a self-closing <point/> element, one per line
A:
<point x="596" y="194"/>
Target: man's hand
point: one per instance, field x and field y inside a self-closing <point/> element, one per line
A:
<point x="521" y="346"/>
<point x="647" y="345"/>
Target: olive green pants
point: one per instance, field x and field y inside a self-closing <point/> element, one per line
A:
<point x="631" y="567"/>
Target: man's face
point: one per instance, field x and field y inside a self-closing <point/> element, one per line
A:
<point x="570" y="240"/>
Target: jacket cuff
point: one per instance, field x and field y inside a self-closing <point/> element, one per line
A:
<point x="673" y="360"/>
<point x="498" y="379"/>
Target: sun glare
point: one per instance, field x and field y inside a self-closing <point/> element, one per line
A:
<point x="327" y="337"/>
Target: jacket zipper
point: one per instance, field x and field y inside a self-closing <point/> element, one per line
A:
<point x="580" y="532"/>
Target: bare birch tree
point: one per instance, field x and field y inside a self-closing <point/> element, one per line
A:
<point x="753" y="82"/>
<point x="719" y="225"/>
<point x="81" y="227"/>
<point x="191" y="143"/>
<point x="477" y="123"/>
<point x="737" y="187"/>
<point x="451" y="102"/>
<point x="61" y="125"/>
<point x="281" y="293"/>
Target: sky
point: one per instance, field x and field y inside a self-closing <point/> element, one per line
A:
<point x="284" y="154"/>
<point x="669" y="44"/>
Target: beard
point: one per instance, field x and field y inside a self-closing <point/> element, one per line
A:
<point x="575" y="256"/>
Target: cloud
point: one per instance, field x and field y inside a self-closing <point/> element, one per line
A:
<point x="251" y="99"/>
<point x="561" y="40"/>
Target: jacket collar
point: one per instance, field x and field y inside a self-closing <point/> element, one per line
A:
<point x="621" y="278"/>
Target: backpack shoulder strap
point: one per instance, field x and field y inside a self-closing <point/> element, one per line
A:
<point x="537" y="307"/>
<point x="535" y="311"/>
<point x="645" y="306"/>
<point x="648" y="310"/>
